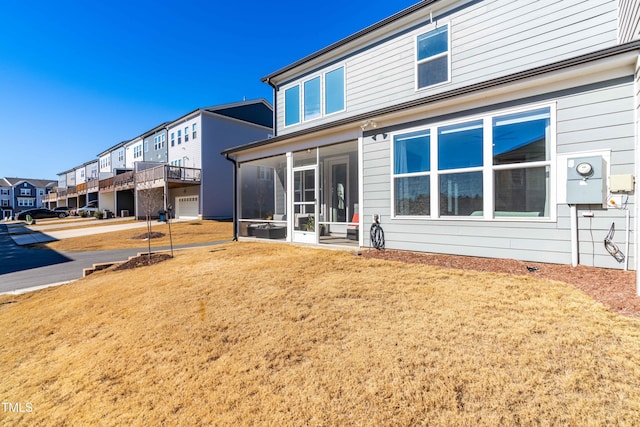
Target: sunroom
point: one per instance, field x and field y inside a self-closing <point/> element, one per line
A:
<point x="305" y="196"/>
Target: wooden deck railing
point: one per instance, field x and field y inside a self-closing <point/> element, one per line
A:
<point x="160" y="174"/>
<point x="106" y="184"/>
<point x="93" y="185"/>
<point x="123" y="181"/>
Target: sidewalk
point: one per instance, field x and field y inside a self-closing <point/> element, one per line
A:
<point x="23" y="234"/>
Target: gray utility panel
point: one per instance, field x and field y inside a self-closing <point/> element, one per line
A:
<point x="586" y="181"/>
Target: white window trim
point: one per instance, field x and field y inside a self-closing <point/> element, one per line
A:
<point x="417" y="62"/>
<point x="300" y="84"/>
<point x="487" y="168"/>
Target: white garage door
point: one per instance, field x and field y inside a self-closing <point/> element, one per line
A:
<point x="187" y="207"/>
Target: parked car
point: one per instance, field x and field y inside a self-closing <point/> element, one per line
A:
<point x="64" y="209"/>
<point x="89" y="209"/>
<point x="40" y="213"/>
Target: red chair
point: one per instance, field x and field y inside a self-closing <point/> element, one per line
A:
<point x="353" y="228"/>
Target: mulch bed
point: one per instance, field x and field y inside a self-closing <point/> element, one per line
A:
<point x="142" y="261"/>
<point x="614" y="288"/>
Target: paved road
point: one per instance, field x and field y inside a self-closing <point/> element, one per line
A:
<point x="23" y="267"/>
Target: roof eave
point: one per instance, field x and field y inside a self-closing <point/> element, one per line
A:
<point x="351" y="38"/>
<point x="498" y="81"/>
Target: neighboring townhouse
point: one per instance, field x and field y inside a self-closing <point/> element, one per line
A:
<point x="133" y="152"/>
<point x="196" y="183"/>
<point x="495" y="129"/>
<point x="155" y="144"/>
<point x="18" y="194"/>
<point x="115" y="187"/>
<point x="72" y="188"/>
<point x="92" y="173"/>
<point x="6" y="205"/>
<point x="148" y="174"/>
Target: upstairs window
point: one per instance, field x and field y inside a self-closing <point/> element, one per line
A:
<point x="173" y="139"/>
<point x="317" y="96"/>
<point x="432" y="57"/>
<point x="193" y="131"/>
<point x="179" y="137"/>
<point x="186" y="134"/>
<point x="312" y="99"/>
<point x="292" y="106"/>
<point x="334" y="91"/>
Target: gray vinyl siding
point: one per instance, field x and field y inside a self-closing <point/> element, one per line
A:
<point x="529" y="33"/>
<point x="153" y="155"/>
<point x="596" y="117"/>
<point x="215" y="135"/>
<point x="629" y="16"/>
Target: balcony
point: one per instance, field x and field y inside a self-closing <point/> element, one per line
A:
<point x="50" y="197"/>
<point x="93" y="185"/>
<point x="106" y="185"/>
<point x="173" y="176"/>
<point x="82" y="188"/>
<point x="72" y="191"/>
<point x="124" y="181"/>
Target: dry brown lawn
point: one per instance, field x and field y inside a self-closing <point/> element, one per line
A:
<point x="182" y="233"/>
<point x="265" y="334"/>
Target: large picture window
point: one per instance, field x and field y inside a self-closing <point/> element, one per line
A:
<point x="412" y="165"/>
<point x="319" y="95"/>
<point x="492" y="167"/>
<point x="521" y="157"/>
<point x="432" y="57"/>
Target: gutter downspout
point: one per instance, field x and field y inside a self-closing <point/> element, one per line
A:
<point x="275" y="106"/>
<point x="235" y="196"/>
<point x="636" y="221"/>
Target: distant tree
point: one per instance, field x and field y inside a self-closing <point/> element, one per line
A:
<point x="149" y="199"/>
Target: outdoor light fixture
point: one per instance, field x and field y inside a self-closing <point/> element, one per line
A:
<point x="368" y="123"/>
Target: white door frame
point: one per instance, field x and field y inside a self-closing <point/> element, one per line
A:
<point x="302" y="236"/>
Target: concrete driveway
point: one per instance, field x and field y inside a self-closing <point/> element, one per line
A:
<point x="23" y="269"/>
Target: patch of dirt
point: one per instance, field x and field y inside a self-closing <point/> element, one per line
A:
<point x="152" y="235"/>
<point x="615" y="289"/>
<point x="142" y="261"/>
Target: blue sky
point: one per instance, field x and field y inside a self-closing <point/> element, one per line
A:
<point x="79" y="77"/>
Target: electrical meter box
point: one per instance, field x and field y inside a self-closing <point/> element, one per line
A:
<point x="586" y="181"/>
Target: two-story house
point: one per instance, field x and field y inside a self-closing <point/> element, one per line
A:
<point x="470" y="127"/>
<point x="6" y="205"/>
<point x="18" y="194"/>
<point x="196" y="180"/>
